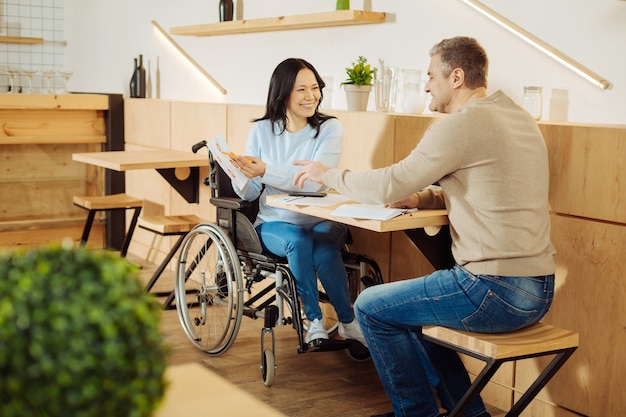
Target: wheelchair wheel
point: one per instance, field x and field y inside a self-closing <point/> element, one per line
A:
<point x="268" y="367"/>
<point x="209" y="289"/>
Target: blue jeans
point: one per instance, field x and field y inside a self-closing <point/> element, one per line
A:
<point x="311" y="253"/>
<point x="392" y="315"/>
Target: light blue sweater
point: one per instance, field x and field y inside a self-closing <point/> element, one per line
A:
<point x="278" y="153"/>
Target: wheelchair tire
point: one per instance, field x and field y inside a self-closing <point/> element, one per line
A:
<point x="268" y="367"/>
<point x="209" y="289"/>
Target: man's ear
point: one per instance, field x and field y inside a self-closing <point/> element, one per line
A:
<point x="457" y="77"/>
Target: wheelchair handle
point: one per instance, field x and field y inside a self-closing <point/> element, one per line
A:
<point x="195" y="148"/>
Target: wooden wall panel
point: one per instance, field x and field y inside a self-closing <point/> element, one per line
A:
<point x="147" y="123"/>
<point x="239" y="123"/>
<point x="589" y="298"/>
<point x="409" y="132"/>
<point x="191" y="123"/>
<point x="587" y="167"/>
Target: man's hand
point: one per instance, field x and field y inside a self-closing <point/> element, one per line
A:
<point x="310" y="171"/>
<point x="411" y="201"/>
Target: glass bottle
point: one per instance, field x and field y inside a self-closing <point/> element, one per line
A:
<point x="226" y="10"/>
<point x="140" y="79"/>
<point x="532" y="101"/>
<point x="133" y="81"/>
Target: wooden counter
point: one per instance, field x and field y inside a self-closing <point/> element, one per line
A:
<point x="40" y="132"/>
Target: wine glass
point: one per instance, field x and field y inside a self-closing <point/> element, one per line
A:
<point x="48" y="74"/>
<point x="29" y="75"/>
<point x="66" y="74"/>
<point x="12" y="72"/>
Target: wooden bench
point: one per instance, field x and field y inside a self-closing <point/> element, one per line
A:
<point x="109" y="203"/>
<point x="495" y="349"/>
<point x="168" y="226"/>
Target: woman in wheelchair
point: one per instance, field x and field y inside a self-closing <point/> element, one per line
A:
<point x="294" y="129"/>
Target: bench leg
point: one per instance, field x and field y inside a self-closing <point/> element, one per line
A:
<point x="87" y="228"/>
<point x="541" y="381"/>
<point x="129" y="233"/>
<point x="492" y="365"/>
<point x="167" y="305"/>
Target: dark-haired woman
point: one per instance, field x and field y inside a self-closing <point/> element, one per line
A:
<point x="294" y="129"/>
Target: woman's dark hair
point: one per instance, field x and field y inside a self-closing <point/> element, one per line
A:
<point x="281" y="85"/>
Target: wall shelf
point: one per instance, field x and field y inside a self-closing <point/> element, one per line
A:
<point x="306" y="21"/>
<point x="15" y="39"/>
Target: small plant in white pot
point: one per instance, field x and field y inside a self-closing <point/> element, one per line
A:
<point x="358" y="85"/>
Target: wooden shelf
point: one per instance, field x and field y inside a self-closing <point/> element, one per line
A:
<point x="50" y="140"/>
<point x="14" y="39"/>
<point x="307" y="21"/>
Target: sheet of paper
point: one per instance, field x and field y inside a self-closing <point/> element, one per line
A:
<point x="219" y="148"/>
<point x="329" y="200"/>
<point x="369" y="211"/>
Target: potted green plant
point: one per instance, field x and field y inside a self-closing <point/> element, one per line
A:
<point x="358" y="85"/>
<point x="80" y="337"/>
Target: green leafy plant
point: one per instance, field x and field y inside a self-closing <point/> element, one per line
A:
<point x="79" y="336"/>
<point x="360" y="73"/>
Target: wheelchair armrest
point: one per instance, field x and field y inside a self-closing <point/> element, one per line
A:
<point x="230" y="203"/>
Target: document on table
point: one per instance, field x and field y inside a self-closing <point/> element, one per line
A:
<point x="220" y="151"/>
<point x="369" y="211"/>
<point x="328" y="200"/>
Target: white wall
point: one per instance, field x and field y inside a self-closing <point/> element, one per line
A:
<point x="103" y="37"/>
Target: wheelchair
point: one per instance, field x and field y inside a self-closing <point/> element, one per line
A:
<point x="223" y="274"/>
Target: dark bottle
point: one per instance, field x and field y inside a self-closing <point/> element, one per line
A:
<point x="133" y="81"/>
<point x="140" y="79"/>
<point x="226" y="10"/>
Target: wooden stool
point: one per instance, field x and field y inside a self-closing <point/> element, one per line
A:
<point x="495" y="349"/>
<point x="109" y="203"/>
<point x="168" y="226"/>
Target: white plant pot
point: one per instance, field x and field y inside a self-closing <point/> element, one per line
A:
<point x="357" y="96"/>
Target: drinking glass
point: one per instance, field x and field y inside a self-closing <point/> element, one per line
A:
<point x="48" y="74"/>
<point x="29" y="73"/>
<point x="12" y="72"/>
<point x="66" y="74"/>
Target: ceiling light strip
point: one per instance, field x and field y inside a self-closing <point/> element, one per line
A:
<point x="189" y="58"/>
<point x="547" y="49"/>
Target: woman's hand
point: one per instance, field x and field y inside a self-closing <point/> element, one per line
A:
<point x="250" y="166"/>
<point x="310" y="171"/>
<point x="411" y="201"/>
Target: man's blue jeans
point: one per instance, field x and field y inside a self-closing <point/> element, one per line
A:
<point x="311" y="253"/>
<point x="392" y="315"/>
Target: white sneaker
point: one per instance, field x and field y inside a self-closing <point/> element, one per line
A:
<point x="316" y="331"/>
<point x="352" y="331"/>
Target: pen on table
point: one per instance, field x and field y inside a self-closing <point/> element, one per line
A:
<point x="234" y="156"/>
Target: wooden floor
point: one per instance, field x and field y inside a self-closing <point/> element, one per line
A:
<point x="305" y="385"/>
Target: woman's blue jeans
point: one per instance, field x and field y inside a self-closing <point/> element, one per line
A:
<point x="392" y="315"/>
<point x="311" y="253"/>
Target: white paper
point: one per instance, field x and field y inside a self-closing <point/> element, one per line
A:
<point x="328" y="200"/>
<point x="369" y="211"/>
<point x="218" y="146"/>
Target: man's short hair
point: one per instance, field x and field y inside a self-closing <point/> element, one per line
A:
<point x="465" y="53"/>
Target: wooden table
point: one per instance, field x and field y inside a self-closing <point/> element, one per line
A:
<point x="433" y="219"/>
<point x="194" y="390"/>
<point x="165" y="161"/>
<point x="428" y="229"/>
